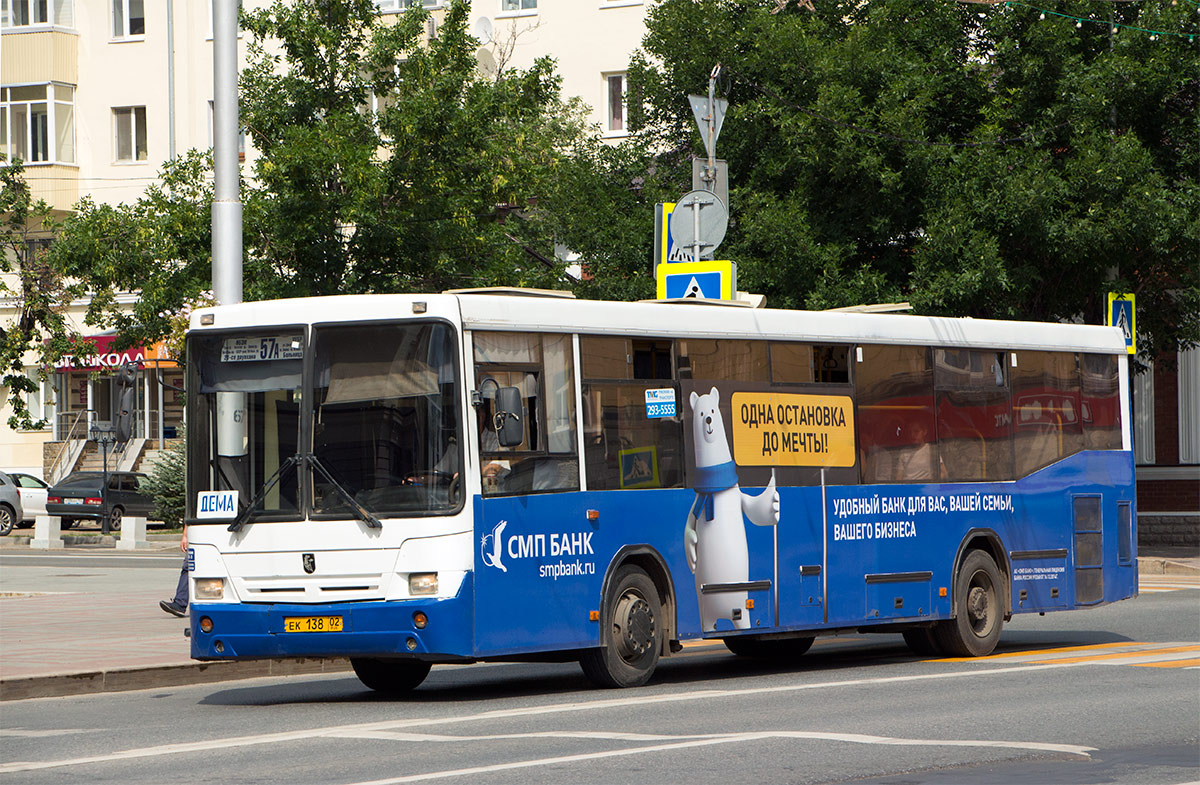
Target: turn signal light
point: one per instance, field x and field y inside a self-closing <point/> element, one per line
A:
<point x="420" y="620"/>
<point x="206" y="624"/>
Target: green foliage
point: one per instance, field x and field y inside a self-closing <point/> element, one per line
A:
<point x="865" y="166"/>
<point x="384" y="157"/>
<point x="40" y="292"/>
<point x="159" y="246"/>
<point x="167" y="484"/>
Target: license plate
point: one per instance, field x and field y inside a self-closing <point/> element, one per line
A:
<point x="312" y="623"/>
<point x="72" y="501"/>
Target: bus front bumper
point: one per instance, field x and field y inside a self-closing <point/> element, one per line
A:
<point x="237" y="631"/>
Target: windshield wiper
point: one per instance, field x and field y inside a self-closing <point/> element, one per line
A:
<point x="244" y="515"/>
<point x="362" y="512"/>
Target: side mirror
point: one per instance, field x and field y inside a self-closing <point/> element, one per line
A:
<point x="507" y="419"/>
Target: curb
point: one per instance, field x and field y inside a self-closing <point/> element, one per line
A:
<point x="124" y="679"/>
<point x="1153" y="565"/>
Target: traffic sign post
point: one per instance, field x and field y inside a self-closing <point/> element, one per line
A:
<point x="711" y="280"/>
<point x="1121" y="313"/>
<point x="699" y="221"/>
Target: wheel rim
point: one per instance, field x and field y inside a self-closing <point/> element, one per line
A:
<point x="981" y="604"/>
<point x="634" y="626"/>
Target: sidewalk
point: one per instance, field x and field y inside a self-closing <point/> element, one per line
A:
<point x="67" y="630"/>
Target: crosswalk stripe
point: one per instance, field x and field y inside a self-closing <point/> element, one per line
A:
<point x="1039" y="652"/>
<point x="1168" y="664"/>
<point x="1154" y="652"/>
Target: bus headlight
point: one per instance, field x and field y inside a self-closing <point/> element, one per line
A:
<point x="210" y="588"/>
<point x="422" y="583"/>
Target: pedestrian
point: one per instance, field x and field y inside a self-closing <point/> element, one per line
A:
<point x="178" y="606"/>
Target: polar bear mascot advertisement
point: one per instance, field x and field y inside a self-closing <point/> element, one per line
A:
<point x="715" y="535"/>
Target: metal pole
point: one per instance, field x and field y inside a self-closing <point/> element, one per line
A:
<point x="227" y="205"/>
<point x="710" y="171"/>
<point x="824" y="550"/>
<point x="171" y="79"/>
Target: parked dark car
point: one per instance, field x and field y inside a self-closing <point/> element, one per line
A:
<point x="80" y="496"/>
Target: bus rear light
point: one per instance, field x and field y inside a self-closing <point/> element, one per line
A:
<point x="206" y="624"/>
<point x="210" y="588"/>
<point x="420" y="620"/>
<point x="423" y="583"/>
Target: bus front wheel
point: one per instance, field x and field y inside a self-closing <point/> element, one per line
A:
<point x="978" y="609"/>
<point x="391" y="677"/>
<point x="631" y="639"/>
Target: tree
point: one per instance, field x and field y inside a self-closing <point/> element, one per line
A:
<point x="159" y="246"/>
<point x="388" y="163"/>
<point x="976" y="160"/>
<point x="41" y="295"/>
<point x="167" y="484"/>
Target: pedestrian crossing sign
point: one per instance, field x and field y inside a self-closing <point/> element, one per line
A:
<point x="696" y="280"/>
<point x="1120" y="313"/>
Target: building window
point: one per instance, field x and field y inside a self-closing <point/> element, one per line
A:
<point x="518" y="5"/>
<point x="129" y="18"/>
<point x="391" y="6"/>
<point x="615" y="98"/>
<point x="37" y="123"/>
<point x="130" y="133"/>
<point x="27" y="13"/>
<point x="1189" y="406"/>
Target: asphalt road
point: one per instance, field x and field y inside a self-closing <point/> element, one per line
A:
<point x="1123" y="707"/>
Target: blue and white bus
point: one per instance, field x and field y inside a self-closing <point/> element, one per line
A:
<point x="470" y="476"/>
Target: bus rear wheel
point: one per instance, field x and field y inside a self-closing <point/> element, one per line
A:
<point x="631" y="640"/>
<point x="770" y="648"/>
<point x="391" y="677"/>
<point x="978" y="609"/>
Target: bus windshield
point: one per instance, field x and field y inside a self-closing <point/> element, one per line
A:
<point x="385" y="418"/>
<point x="244" y="394"/>
<point x="382" y="401"/>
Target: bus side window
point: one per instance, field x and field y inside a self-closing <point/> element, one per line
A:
<point x="1045" y="408"/>
<point x="974" y="416"/>
<point x="539" y="367"/>
<point x="1100" y="401"/>
<point x="894" y="390"/>
<point x="626" y="445"/>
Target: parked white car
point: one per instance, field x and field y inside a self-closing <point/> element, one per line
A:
<point x="33" y="496"/>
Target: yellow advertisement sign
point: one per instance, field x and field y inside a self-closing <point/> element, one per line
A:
<point x="782" y="429"/>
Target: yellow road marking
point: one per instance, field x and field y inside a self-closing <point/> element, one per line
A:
<point x="1168" y="664"/>
<point x="1039" y="652"/>
<point x="1119" y="655"/>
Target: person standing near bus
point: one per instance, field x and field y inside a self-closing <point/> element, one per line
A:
<point x="178" y="606"/>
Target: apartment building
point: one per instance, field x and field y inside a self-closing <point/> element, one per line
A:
<point x="95" y="95"/>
